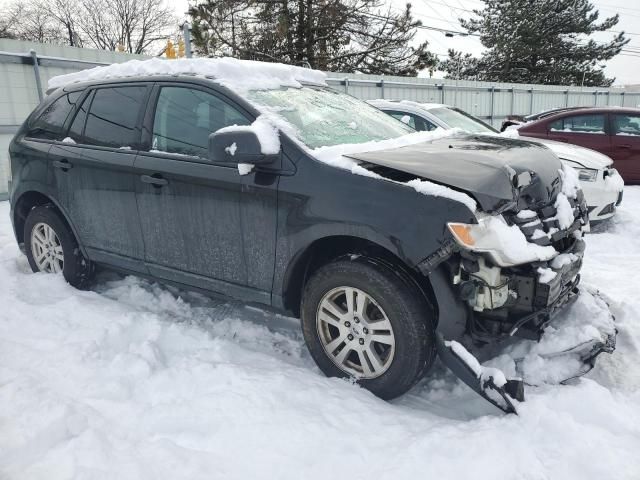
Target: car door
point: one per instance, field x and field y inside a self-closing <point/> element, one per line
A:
<point x="203" y="223"/>
<point x="94" y="174"/>
<point x="587" y="130"/>
<point x="625" y="145"/>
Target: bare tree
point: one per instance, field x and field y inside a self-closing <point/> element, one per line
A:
<point x="103" y="24"/>
<point x="65" y="13"/>
<point x="30" y="22"/>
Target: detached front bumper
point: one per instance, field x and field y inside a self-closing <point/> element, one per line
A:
<point x="575" y="337"/>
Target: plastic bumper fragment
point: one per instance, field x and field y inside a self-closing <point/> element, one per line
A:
<point x="484" y="385"/>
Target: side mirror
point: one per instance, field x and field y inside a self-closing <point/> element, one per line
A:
<point x="238" y="146"/>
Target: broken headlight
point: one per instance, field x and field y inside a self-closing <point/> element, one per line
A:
<point x="505" y="244"/>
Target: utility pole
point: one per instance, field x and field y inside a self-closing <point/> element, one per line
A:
<point x="186" y="34"/>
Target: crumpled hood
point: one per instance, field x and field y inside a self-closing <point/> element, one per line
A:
<point x="481" y="165"/>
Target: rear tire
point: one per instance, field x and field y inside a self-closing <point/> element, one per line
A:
<point x="387" y="325"/>
<point x="52" y="248"/>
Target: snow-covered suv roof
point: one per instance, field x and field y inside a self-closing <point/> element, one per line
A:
<point x="236" y="74"/>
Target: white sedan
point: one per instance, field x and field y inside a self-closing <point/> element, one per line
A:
<point x="600" y="182"/>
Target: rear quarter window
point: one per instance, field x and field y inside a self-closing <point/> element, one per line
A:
<point x="50" y="123"/>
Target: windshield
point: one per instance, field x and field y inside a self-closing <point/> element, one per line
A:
<point x="458" y="119"/>
<point x="325" y="117"/>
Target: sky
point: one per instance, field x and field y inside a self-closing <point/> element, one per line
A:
<point x="445" y="13"/>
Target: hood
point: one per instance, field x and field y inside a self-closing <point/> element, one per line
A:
<point x="584" y="156"/>
<point x="481" y="165"/>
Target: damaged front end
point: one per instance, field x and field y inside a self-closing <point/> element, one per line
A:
<point x="515" y="292"/>
<point x="507" y="273"/>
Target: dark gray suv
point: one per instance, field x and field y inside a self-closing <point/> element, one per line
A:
<point x="386" y="254"/>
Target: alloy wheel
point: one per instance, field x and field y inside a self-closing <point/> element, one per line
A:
<point x="46" y="249"/>
<point x="355" y="332"/>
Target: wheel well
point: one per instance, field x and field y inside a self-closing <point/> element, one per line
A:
<point x="24" y="205"/>
<point x="327" y="249"/>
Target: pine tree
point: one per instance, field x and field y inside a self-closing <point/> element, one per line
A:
<point x="337" y="35"/>
<point x="459" y="65"/>
<point x="540" y="41"/>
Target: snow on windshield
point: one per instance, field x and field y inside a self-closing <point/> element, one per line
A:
<point x="323" y="117"/>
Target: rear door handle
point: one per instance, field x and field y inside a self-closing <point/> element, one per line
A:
<point x="627" y="146"/>
<point x="64" y="165"/>
<point x="155" y="180"/>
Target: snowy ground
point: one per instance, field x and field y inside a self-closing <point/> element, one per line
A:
<point x="134" y="380"/>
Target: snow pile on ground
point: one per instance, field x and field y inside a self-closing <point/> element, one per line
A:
<point x="553" y="360"/>
<point x="133" y="380"/>
<point x="238" y="75"/>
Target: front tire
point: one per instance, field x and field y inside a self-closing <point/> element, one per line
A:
<point x="363" y="320"/>
<point x="52" y="248"/>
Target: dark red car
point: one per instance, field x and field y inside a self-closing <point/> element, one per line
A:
<point x="613" y="131"/>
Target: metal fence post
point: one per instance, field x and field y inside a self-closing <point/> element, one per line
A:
<point x="442" y="93"/>
<point x="346" y="84"/>
<point x="36" y="71"/>
<point x="622" y="97"/>
<point x="531" y="101"/>
<point x="382" y="87"/>
<point x="186" y="35"/>
<point x="513" y="101"/>
<point x="566" y="100"/>
<point x="493" y="90"/>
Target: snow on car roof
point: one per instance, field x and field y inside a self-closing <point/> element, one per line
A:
<point x="239" y="75"/>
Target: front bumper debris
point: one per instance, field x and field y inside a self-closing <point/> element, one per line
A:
<point x="481" y="380"/>
<point x="569" y="348"/>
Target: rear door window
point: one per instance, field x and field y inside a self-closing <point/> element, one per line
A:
<point x="49" y="124"/>
<point x="626" y="125"/>
<point x="185" y="117"/>
<point x="580" y="124"/>
<point x="414" y="121"/>
<point x="113" y="117"/>
<point x="404" y="118"/>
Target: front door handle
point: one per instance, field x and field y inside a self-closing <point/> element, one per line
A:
<point x="626" y="146"/>
<point x="64" y="164"/>
<point x="155" y="180"/>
